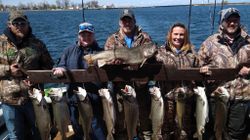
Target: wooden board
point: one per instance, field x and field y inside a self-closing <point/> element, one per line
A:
<point x="155" y="72"/>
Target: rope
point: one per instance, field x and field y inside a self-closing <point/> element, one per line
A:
<point x="189" y="16"/>
<point x="83" y="15"/>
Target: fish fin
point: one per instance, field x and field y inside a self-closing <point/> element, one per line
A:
<point x="143" y="62"/>
<point x="195" y="135"/>
<point x="101" y="63"/>
<point x="88" y="59"/>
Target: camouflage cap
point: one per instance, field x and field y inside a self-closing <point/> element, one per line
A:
<point x="226" y="13"/>
<point x="13" y="15"/>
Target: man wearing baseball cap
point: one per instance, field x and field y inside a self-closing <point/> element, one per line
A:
<point x="130" y="35"/>
<point x="226" y="49"/>
<point x="72" y="58"/>
<point x="20" y="50"/>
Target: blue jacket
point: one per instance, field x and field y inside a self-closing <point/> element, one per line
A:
<point x="72" y="58"/>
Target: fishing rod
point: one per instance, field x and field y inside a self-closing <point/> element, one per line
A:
<point x="189" y="16"/>
<point x="221" y="8"/>
<point x="213" y="17"/>
<point x="222" y="4"/>
<point x="83" y="15"/>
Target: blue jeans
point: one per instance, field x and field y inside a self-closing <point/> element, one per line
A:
<point x="19" y="119"/>
<point x="97" y="122"/>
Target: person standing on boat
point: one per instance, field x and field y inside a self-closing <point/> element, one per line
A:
<point x="72" y="58"/>
<point x="178" y="52"/>
<point x="130" y="35"/>
<point x="20" y="51"/>
<point x="226" y="49"/>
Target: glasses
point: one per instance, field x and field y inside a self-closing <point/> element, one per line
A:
<point x="83" y="27"/>
<point x="19" y="23"/>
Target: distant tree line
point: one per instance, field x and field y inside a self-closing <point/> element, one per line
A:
<point x="59" y="4"/>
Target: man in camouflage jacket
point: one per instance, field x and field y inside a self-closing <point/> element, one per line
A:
<point x="20" y="50"/>
<point x="130" y="35"/>
<point x="226" y="49"/>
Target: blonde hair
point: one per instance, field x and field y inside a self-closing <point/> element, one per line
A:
<point x="186" y="43"/>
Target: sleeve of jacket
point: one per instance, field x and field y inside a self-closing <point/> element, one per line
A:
<point x="46" y="59"/>
<point x="63" y="58"/>
<point x="110" y="43"/>
<point x="4" y="70"/>
<point x="147" y="39"/>
<point x="204" y="54"/>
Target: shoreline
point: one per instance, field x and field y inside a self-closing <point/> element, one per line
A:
<point x="210" y="4"/>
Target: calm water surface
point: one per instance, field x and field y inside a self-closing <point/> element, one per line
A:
<point x="58" y="29"/>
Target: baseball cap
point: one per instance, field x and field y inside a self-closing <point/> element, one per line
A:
<point x="85" y="26"/>
<point x="13" y="15"/>
<point x="127" y="13"/>
<point x="226" y="13"/>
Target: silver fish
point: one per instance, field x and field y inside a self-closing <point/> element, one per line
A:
<point x="109" y="112"/>
<point x="136" y="55"/>
<point x="43" y="120"/>
<point x="221" y="111"/>
<point x="180" y="94"/>
<point x="131" y="111"/>
<point x="201" y="111"/>
<point x="61" y="113"/>
<point x="157" y="112"/>
<point x="85" y="111"/>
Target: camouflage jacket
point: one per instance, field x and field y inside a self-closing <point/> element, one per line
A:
<point x="215" y="51"/>
<point x="186" y="58"/>
<point x="117" y="39"/>
<point x="31" y="53"/>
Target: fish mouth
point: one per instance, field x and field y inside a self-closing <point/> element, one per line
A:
<point x="125" y="90"/>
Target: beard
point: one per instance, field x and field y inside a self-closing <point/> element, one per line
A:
<point x="232" y="30"/>
<point x="20" y="35"/>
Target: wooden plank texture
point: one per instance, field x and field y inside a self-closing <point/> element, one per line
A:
<point x="155" y="72"/>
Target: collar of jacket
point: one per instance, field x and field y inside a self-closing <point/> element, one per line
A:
<point x="120" y="35"/>
<point x="240" y="33"/>
<point x="89" y="49"/>
<point x="12" y="37"/>
<point x="184" y="50"/>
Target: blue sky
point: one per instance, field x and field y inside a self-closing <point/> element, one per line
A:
<point x="124" y="2"/>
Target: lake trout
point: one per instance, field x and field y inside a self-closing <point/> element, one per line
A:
<point x="180" y="94"/>
<point x="108" y="112"/>
<point x="223" y="96"/>
<point x="131" y="111"/>
<point x="135" y="55"/>
<point x="157" y="112"/>
<point x="43" y="120"/>
<point x="85" y="111"/>
<point x="61" y="113"/>
<point x="201" y="111"/>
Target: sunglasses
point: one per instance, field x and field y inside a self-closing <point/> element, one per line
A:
<point x="19" y="23"/>
<point x="84" y="27"/>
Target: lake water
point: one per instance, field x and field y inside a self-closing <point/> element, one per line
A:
<point x="58" y="29"/>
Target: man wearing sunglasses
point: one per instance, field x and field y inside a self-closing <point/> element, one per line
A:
<point x="20" y="51"/>
<point x="72" y="58"/>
